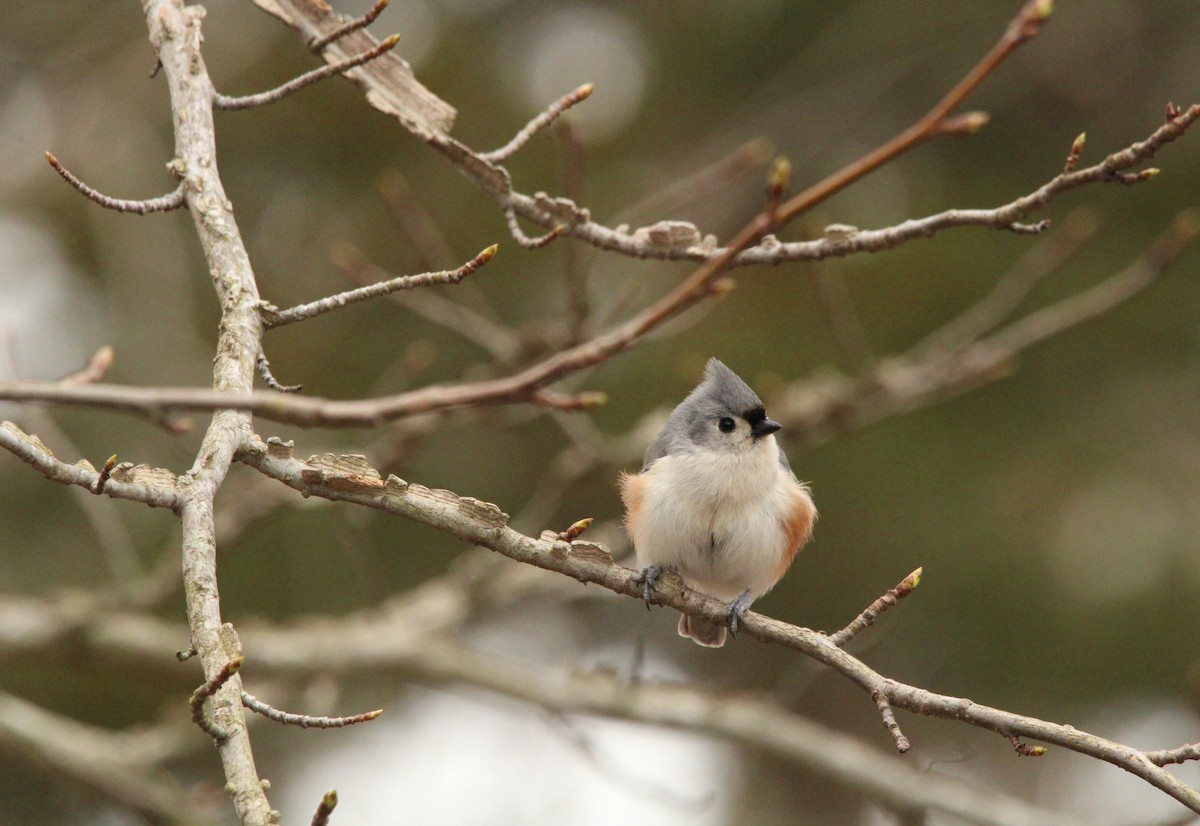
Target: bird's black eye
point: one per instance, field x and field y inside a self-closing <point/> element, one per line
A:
<point x="726" y="424"/>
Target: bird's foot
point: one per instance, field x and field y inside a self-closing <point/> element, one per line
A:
<point x="648" y="578"/>
<point x="737" y="611"/>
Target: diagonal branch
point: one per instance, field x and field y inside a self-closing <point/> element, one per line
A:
<point x="273" y="317"/>
<point x="352" y="26"/>
<point x="349" y="479"/>
<point x="552" y="113"/>
<point x="151" y="486"/>
<point x="307" y="79"/>
<point x="1021" y="29"/>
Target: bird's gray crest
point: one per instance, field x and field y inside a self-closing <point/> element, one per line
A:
<point x="722" y="393"/>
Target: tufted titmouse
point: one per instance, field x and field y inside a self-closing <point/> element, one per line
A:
<point x="717" y="501"/>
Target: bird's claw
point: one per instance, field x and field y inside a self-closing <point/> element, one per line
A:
<point x="737" y="611"/>
<point x="648" y="578"/>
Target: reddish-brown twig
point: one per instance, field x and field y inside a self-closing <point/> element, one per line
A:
<point x="1023" y="27"/>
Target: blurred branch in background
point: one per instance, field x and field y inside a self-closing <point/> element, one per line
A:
<point x="423" y="635"/>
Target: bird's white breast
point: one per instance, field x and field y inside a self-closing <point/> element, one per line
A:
<point x="718" y="518"/>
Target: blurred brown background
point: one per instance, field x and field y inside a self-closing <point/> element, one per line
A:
<point x="1055" y="512"/>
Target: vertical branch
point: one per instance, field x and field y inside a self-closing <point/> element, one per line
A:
<point x="175" y="35"/>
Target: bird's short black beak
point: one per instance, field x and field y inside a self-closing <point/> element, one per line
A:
<point x="764" y="427"/>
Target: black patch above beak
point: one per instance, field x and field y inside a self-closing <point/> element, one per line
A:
<point x="764" y="427"/>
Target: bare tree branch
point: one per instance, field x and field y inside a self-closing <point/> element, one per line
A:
<point x="163" y="203"/>
<point x="175" y="35"/>
<point x="350" y="479"/>
<point x="152" y="486"/>
<point x="551" y="213"/>
<point x="274" y="317"/>
<point x="307" y="79"/>
<point x="287" y="718"/>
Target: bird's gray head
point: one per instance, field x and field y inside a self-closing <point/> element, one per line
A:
<point x="722" y="413"/>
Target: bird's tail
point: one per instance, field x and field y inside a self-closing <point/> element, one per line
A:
<point x="701" y="632"/>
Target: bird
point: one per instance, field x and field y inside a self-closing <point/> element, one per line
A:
<point x="716" y="501"/>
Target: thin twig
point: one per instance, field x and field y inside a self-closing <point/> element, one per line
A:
<point x="208" y="689"/>
<point x="547" y="117"/>
<point x="264" y="373"/>
<point x="95" y="370"/>
<point x="1165" y="757"/>
<point x="277" y="318"/>
<point x="1022" y="28"/>
<point x="504" y="344"/>
<point x="871" y="613"/>
<point x="888" y="717"/>
<point x="229" y="103"/>
<point x="1101" y="298"/>
<point x="352" y="26"/>
<point x="304" y="720"/>
<point x="325" y="808"/>
<point x="527" y="241"/>
<point x="163" y="203"/>
<point x="105" y="472"/>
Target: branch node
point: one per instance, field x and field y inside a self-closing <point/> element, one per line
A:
<point x="208" y="690"/>
<point x="163" y="203"/>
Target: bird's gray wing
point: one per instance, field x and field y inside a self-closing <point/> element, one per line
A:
<point x="659" y="448"/>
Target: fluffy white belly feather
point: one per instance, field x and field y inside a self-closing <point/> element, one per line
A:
<point x="713" y="518"/>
